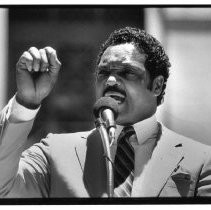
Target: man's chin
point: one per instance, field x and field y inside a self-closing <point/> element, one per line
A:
<point x="123" y="120"/>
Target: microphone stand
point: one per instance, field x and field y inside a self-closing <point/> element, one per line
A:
<point x="101" y="126"/>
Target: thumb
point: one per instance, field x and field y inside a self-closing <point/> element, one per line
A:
<point x="54" y="63"/>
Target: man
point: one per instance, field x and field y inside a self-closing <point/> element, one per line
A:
<point x="133" y="69"/>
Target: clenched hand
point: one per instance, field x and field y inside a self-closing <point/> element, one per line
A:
<point x="36" y="74"/>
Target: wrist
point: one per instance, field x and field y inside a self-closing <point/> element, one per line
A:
<point x="27" y="105"/>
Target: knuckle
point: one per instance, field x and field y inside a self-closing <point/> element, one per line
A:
<point x="43" y="54"/>
<point x="41" y="51"/>
<point x="50" y="50"/>
<point x="53" y="52"/>
<point x="48" y="47"/>
<point x="32" y="49"/>
<point x="34" y="52"/>
<point x="26" y="56"/>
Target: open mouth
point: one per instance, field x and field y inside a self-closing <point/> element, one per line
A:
<point x="119" y="97"/>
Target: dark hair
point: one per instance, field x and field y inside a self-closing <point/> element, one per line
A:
<point x="157" y="62"/>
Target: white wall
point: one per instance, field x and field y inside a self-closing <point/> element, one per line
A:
<point x="3" y="54"/>
<point x="187" y="105"/>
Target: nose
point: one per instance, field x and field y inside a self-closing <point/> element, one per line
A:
<point x="111" y="81"/>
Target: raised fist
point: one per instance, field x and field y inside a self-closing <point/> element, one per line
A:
<point x="36" y="74"/>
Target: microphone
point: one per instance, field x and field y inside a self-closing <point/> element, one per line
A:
<point x="106" y="108"/>
<point x="106" y="112"/>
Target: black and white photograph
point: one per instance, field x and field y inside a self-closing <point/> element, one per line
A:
<point x="105" y="104"/>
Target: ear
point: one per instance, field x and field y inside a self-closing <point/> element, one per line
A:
<point x="157" y="85"/>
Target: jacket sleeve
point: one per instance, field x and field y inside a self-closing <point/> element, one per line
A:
<point x="204" y="183"/>
<point x="21" y="174"/>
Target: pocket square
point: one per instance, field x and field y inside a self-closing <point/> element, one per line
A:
<point x="181" y="176"/>
<point x="182" y="181"/>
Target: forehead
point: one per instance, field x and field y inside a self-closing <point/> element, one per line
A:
<point x="123" y="53"/>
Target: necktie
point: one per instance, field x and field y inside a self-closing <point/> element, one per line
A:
<point x="124" y="164"/>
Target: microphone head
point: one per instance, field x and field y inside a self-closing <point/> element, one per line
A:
<point x="105" y="103"/>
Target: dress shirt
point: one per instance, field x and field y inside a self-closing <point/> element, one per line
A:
<point x="18" y="113"/>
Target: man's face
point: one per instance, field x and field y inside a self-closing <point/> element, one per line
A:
<point x="121" y="75"/>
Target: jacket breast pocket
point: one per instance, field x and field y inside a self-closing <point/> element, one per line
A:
<point x="181" y="183"/>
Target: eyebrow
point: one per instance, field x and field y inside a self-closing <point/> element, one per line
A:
<point x="123" y="66"/>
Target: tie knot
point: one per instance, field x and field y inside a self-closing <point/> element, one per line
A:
<point x="126" y="133"/>
<point x="128" y="130"/>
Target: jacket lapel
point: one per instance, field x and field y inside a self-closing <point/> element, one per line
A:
<point x="164" y="160"/>
<point x="93" y="165"/>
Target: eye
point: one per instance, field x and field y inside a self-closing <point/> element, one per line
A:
<point x="128" y="74"/>
<point x="103" y="73"/>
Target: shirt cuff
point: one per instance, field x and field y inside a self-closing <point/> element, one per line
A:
<point x="18" y="113"/>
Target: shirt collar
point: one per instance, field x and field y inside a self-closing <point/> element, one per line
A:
<point x="144" y="129"/>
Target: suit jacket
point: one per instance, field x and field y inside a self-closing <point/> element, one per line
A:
<point x="72" y="165"/>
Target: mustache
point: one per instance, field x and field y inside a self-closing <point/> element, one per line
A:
<point x="115" y="89"/>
